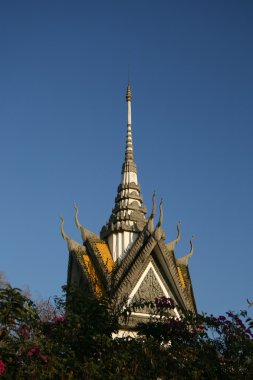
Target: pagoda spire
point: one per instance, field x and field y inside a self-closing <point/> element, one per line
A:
<point x="128" y="215"/>
<point x="129" y="170"/>
<point x="129" y="155"/>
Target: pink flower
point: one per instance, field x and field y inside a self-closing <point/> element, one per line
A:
<point x="23" y="331"/>
<point x="37" y="353"/>
<point x="58" y="319"/>
<point x="2" y="367"/>
<point x="164" y="303"/>
<point x="44" y="358"/>
<point x="34" y="352"/>
<point x="221" y="318"/>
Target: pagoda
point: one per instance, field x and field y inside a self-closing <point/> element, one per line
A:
<point x="130" y="261"/>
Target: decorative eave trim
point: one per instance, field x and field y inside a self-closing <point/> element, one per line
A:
<point x="168" y="261"/>
<point x="169" y="258"/>
<point x="124" y="285"/>
<point x="98" y="263"/>
<point x="78" y="258"/>
<point x="188" y="285"/>
<point x="128" y="260"/>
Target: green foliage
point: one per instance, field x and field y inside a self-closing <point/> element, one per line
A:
<point x="76" y="343"/>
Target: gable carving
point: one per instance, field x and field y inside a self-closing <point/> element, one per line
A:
<point x="149" y="289"/>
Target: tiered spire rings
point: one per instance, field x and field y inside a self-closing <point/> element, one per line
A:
<point x="128" y="213"/>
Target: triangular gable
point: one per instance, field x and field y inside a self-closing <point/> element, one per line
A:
<point x="148" y="287"/>
<point x="155" y="251"/>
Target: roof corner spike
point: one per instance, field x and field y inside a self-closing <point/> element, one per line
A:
<point x="84" y="232"/>
<point x="150" y="224"/>
<point x="72" y="245"/>
<point x="76" y="216"/>
<point x="192" y="248"/>
<point x="159" y="233"/>
<point x="171" y="245"/>
<point x="153" y="206"/>
<point x="64" y="236"/>
<point x="161" y="213"/>
<point x="184" y="260"/>
<point x="178" y="233"/>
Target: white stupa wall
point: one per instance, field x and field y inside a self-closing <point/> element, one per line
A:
<point x="128" y="177"/>
<point x="120" y="242"/>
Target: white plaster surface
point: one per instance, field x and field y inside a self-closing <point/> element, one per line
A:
<point x="129" y="116"/>
<point x="128" y="177"/>
<point x="124" y="334"/>
<point x="120" y="242"/>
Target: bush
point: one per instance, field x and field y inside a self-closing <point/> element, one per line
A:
<point x="76" y="343"/>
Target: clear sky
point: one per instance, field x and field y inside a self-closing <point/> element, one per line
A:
<point x="63" y="77"/>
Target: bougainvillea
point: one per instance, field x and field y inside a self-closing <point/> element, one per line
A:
<point x="2" y="367"/>
<point x="77" y="343"/>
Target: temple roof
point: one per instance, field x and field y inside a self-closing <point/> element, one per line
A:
<point x="146" y="264"/>
<point x="101" y="275"/>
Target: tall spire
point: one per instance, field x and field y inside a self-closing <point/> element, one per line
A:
<point x="129" y="170"/>
<point x="129" y="141"/>
<point x="128" y="215"/>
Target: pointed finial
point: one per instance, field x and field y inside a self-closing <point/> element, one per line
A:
<point x="72" y="244"/>
<point x="150" y="224"/>
<point x="76" y="216"/>
<point x="184" y="260"/>
<point x="171" y="245"/>
<point x="191" y="243"/>
<point x="84" y="232"/>
<point x="153" y="206"/>
<point x="128" y="72"/>
<point x="178" y="232"/>
<point x="159" y="233"/>
<point x="161" y="213"/>
<point x="129" y="93"/>
<point x="62" y="230"/>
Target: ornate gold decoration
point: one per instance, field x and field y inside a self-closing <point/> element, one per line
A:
<point x="92" y="275"/>
<point x="181" y="277"/>
<point x="106" y="256"/>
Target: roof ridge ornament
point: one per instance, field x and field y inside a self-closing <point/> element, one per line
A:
<point x="172" y="244"/>
<point x="150" y="224"/>
<point x="161" y="213"/>
<point x="159" y="233"/>
<point x="72" y="244"/>
<point x="184" y="260"/>
<point x="84" y="232"/>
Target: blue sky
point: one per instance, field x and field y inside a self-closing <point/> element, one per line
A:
<point x="63" y="77"/>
